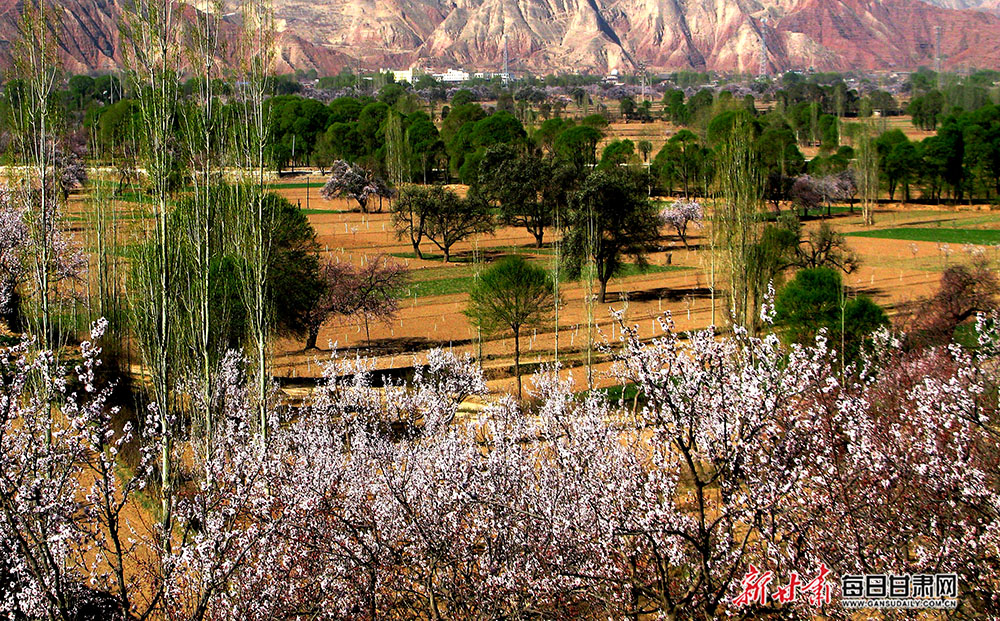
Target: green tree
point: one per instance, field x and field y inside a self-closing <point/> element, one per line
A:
<point x="896" y="160"/>
<point x="627" y="107"/>
<point x="511" y="295"/>
<point x="883" y="102"/>
<point x="736" y="224"/>
<point x="700" y="102"/>
<point x="371" y="126"/>
<point x="645" y="148"/>
<point x="814" y="300"/>
<point x="295" y="122"/>
<point x="345" y="110"/>
<point x="617" y="153"/>
<point x="498" y="128"/>
<point x="450" y="219"/>
<point x="461" y="98"/>
<point x="390" y="94"/>
<point x="578" y="146"/>
<point x="982" y="151"/>
<point x="457" y="130"/>
<point x="325" y="152"/>
<point x="292" y="285"/>
<point x="681" y="159"/>
<point x="345" y="143"/>
<point x="426" y="146"/>
<point x="926" y="109"/>
<point x="597" y="121"/>
<point x="610" y="218"/>
<point x="410" y="210"/>
<point x="829" y="131"/>
<point x="674" y="108"/>
<point x="527" y="189"/>
<point x="398" y="156"/>
<point x="545" y="136"/>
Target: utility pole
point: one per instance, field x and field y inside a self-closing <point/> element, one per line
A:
<point x="506" y="75"/>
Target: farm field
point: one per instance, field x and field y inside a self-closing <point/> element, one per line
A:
<point x="901" y="260"/>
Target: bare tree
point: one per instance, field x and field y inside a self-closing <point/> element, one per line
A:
<point x="35" y="187"/>
<point x="825" y="247"/>
<point x="372" y="291"/>
<point x="964" y="292"/>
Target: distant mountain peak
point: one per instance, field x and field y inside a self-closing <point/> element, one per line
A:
<point x="588" y="35"/>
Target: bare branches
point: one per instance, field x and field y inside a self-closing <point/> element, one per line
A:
<point x="371" y="291"/>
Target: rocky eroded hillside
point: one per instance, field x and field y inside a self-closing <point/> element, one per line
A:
<point x="575" y="35"/>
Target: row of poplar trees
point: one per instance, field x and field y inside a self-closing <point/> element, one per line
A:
<point x="203" y="183"/>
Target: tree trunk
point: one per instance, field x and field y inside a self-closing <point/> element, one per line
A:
<point x="416" y="248"/>
<point x="538" y="237"/>
<point x="447" y="253"/>
<point x="311" y="338"/>
<point x="517" y="360"/>
<point x="603" y="292"/>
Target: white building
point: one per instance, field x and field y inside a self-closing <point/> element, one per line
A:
<point x="452" y="76"/>
<point x="489" y="75"/>
<point x="401" y="75"/>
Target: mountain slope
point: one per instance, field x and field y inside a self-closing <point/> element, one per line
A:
<point x="980" y="5"/>
<point x="724" y="35"/>
<point x="577" y="35"/>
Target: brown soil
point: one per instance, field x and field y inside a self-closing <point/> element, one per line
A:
<point x="891" y="272"/>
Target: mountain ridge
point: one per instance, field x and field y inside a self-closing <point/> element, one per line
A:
<point x="546" y="36"/>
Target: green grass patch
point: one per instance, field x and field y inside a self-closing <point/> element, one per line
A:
<point x="618" y="394"/>
<point x="440" y="286"/>
<point x="978" y="237"/>
<point x="966" y="335"/>
<point x="449" y="285"/>
<point x="318" y="212"/>
<point x="522" y="250"/>
<point x="298" y="185"/>
<point x="455" y="258"/>
<point x="120" y="216"/>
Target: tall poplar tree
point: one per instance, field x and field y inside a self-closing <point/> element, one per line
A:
<point x="740" y="189"/>
<point x="153" y="59"/>
<point x="250" y="149"/>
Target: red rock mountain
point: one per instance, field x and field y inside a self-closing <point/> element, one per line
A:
<point x="576" y="35"/>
